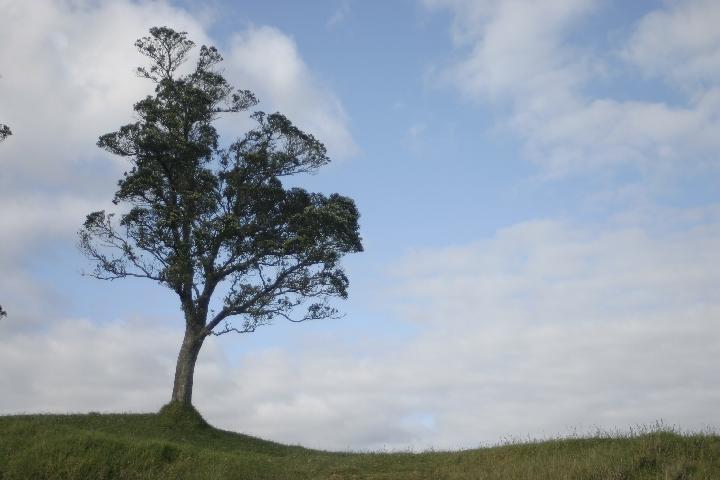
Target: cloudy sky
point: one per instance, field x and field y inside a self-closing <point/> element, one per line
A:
<point x="539" y="185"/>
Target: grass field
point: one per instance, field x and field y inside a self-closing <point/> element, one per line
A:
<point x="179" y="444"/>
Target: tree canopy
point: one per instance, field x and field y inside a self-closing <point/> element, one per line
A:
<point x="214" y="223"/>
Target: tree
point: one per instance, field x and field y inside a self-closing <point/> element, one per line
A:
<point x="214" y="224"/>
<point x="4" y="132"/>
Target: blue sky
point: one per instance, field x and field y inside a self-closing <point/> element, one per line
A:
<point x="538" y="184"/>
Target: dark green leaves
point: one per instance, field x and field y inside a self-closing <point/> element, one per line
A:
<point x="167" y="50"/>
<point x="278" y="148"/>
<point x="4" y="132"/>
<point x="203" y="219"/>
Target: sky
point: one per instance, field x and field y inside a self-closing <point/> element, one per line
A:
<point x="538" y="184"/>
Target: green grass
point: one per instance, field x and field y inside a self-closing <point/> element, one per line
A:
<point x="179" y="444"/>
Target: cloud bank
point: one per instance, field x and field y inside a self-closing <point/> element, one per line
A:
<point x="545" y="328"/>
<point x="521" y="54"/>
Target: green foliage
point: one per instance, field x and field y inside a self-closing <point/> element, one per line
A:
<point x="202" y="216"/>
<point x="4" y="132"/>
<point x="147" y="447"/>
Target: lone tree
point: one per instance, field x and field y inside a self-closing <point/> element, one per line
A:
<point x="213" y="224"/>
<point x="4" y="133"/>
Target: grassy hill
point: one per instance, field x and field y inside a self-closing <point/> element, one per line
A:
<point x="179" y="444"/>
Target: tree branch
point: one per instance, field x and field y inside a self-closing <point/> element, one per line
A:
<point x="240" y="308"/>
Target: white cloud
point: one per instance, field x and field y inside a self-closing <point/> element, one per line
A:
<point x="68" y="77"/>
<point x="75" y="366"/>
<point x="559" y="325"/>
<point x="654" y="138"/>
<point x="267" y="61"/>
<point x="513" y="46"/>
<point x="680" y="43"/>
<point x="39" y="218"/>
<point x="545" y="327"/>
<point x="521" y="53"/>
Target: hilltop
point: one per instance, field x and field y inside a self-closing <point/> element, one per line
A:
<point x="180" y="444"/>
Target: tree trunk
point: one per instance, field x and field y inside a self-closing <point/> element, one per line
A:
<point x="182" y="388"/>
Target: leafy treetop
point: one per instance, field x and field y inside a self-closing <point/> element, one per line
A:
<point x="205" y="220"/>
